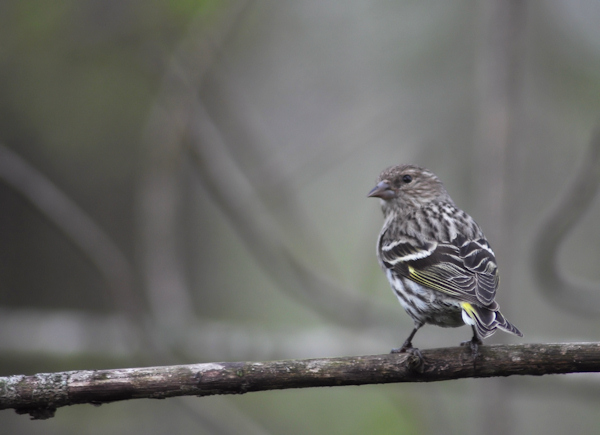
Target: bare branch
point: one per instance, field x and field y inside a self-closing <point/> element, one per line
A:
<point x="40" y="395"/>
<point x="560" y="220"/>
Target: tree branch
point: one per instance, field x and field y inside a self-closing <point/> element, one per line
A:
<point x="41" y="394"/>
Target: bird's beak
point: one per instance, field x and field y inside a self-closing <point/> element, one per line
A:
<point x="383" y="190"/>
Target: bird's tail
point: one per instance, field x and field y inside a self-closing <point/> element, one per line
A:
<point x="487" y="320"/>
<point x="506" y="326"/>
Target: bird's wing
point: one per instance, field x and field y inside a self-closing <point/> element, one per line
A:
<point x="464" y="269"/>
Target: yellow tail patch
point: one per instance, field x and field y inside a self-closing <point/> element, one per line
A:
<point x="468" y="314"/>
<point x="468" y="308"/>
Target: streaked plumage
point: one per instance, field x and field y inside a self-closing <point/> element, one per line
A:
<point x="437" y="260"/>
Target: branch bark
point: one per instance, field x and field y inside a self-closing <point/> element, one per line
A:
<point x="41" y="394"/>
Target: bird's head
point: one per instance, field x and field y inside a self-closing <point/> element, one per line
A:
<point x="407" y="186"/>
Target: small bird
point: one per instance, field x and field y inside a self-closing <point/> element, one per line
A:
<point x="436" y="258"/>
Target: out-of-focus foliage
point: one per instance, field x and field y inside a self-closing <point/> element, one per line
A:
<point x="221" y="152"/>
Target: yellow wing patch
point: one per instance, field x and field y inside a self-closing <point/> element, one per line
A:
<point x="431" y="280"/>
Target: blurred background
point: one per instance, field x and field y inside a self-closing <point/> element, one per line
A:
<point x="186" y="181"/>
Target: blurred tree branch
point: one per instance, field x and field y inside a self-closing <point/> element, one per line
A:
<point x="264" y="237"/>
<point x="41" y="394"/>
<point x="161" y="187"/>
<point x="79" y="228"/>
<point x="500" y="63"/>
<point x="180" y="119"/>
<point x="559" y="221"/>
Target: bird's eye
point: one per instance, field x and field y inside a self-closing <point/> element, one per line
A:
<point x="407" y="178"/>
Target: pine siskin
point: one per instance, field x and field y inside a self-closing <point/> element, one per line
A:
<point x="436" y="258"/>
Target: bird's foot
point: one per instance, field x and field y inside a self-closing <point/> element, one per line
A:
<point x="474" y="345"/>
<point x="417" y="363"/>
<point x="407" y="347"/>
